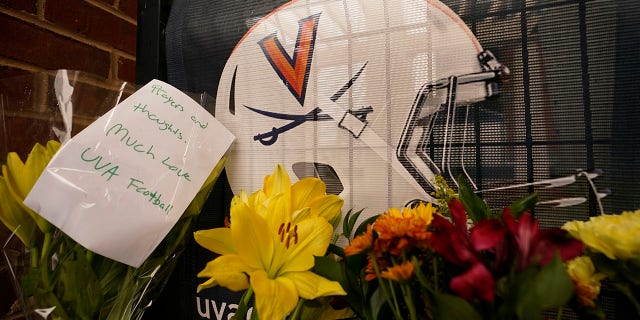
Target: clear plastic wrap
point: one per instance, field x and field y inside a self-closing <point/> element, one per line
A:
<point x="54" y="276"/>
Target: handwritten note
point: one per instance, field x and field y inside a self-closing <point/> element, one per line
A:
<point x="121" y="184"/>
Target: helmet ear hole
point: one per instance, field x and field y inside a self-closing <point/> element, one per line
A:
<point x="322" y="171"/>
<point x="232" y="93"/>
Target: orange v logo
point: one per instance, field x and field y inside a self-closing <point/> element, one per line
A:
<point x="294" y="72"/>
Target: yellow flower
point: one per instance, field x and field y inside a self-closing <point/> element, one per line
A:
<point x="615" y="236"/>
<point x="270" y="247"/>
<point x="307" y="193"/>
<point x="15" y="183"/>
<point x="15" y="218"/>
<point x="585" y="279"/>
<point x="421" y="211"/>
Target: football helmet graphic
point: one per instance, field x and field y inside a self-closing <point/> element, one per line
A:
<point x="348" y="91"/>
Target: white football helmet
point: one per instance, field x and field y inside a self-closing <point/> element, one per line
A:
<point x="347" y="91"/>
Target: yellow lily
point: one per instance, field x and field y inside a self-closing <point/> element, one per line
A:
<point x="16" y="219"/>
<point x="306" y="193"/>
<point x="274" y="260"/>
<point x="20" y="177"/>
<point x="17" y="180"/>
<point x="270" y="247"/>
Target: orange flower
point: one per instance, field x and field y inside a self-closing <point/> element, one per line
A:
<point x="360" y="243"/>
<point x="399" y="272"/>
<point x="400" y="231"/>
<point x="371" y="271"/>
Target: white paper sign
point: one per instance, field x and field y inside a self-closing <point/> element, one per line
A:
<point x="121" y="184"/>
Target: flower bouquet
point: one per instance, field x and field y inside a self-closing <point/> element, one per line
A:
<point x="612" y="254"/>
<point x="60" y="278"/>
<point x="55" y="276"/>
<point x="459" y="261"/>
<point x="453" y="259"/>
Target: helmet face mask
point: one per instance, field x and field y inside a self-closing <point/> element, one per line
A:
<point x="349" y="92"/>
<point x="413" y="149"/>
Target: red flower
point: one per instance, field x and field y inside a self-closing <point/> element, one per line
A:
<point x="459" y="246"/>
<point x="477" y="282"/>
<point x="511" y="242"/>
<point x="539" y="246"/>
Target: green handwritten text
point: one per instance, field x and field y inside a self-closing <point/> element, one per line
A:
<point x="176" y="169"/>
<point x="199" y="123"/>
<point x="153" y="197"/>
<point x="157" y="89"/>
<point x="162" y="125"/>
<point x="107" y="168"/>
<point x="121" y="131"/>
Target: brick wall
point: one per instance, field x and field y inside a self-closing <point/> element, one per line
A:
<point x="96" y="36"/>
<point x="36" y="38"/>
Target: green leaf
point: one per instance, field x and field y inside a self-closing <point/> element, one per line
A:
<point x="450" y="307"/>
<point x="356" y="262"/>
<point x="362" y="228"/>
<point x="337" y="250"/>
<point x="526" y="203"/>
<point x="551" y="287"/>
<point x="422" y="279"/>
<point x="476" y="208"/>
<point x="330" y="269"/>
<point x="79" y="287"/>
<point x="46" y="299"/>
<point x="243" y="306"/>
<point x="377" y="301"/>
<point x="111" y="280"/>
<point x="630" y="270"/>
<point x="334" y="270"/>
<point x="29" y="282"/>
<point x="605" y="265"/>
<point x="350" y="222"/>
<point x="355" y="273"/>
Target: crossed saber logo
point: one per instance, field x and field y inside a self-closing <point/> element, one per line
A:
<point x="270" y="137"/>
<point x="294" y="72"/>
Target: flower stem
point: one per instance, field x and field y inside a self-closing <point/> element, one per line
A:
<point x="408" y="298"/>
<point x="46" y="244"/>
<point x="396" y="306"/>
<point x="627" y="292"/>
<point x="44" y="261"/>
<point x="35" y="260"/>
<point x="435" y="274"/>
<point x="298" y="310"/>
<point x="243" y="306"/>
<point x="388" y="292"/>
